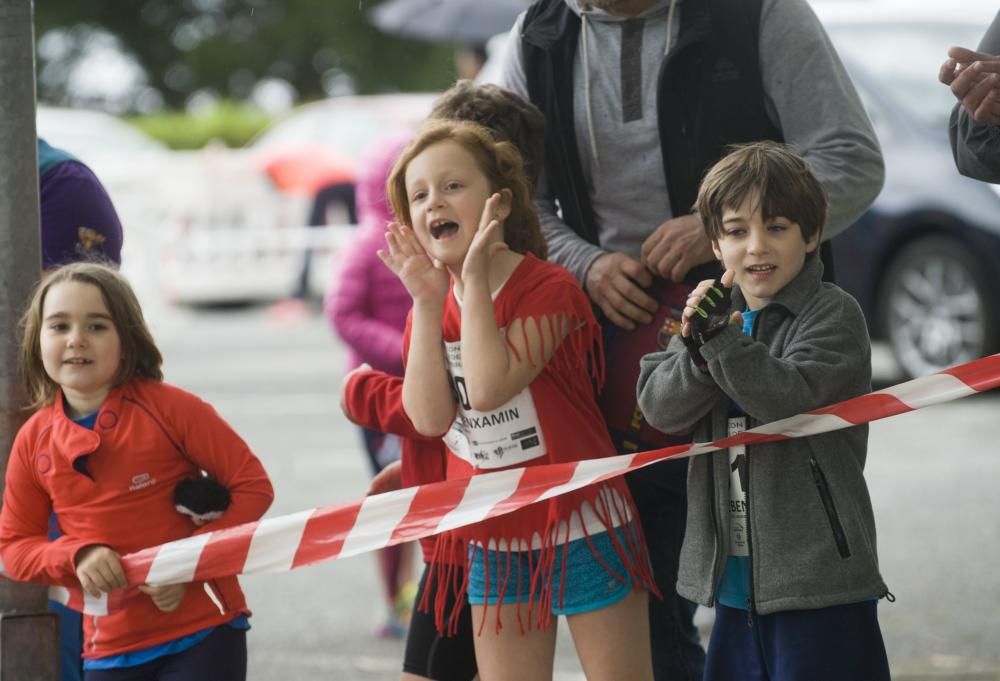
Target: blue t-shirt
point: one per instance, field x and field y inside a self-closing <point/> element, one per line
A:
<point x="734" y="587"/>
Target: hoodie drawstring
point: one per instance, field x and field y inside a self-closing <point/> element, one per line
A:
<point x="586" y="76"/>
<point x="586" y="91"/>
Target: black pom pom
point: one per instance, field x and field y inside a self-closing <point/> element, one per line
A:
<point x="201" y="496"/>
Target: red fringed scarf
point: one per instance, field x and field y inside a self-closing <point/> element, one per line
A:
<point x="571" y="429"/>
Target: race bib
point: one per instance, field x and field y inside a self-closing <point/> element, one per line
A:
<point x="507" y="436"/>
<point x="738" y="491"/>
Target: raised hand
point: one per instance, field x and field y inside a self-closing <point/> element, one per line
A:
<point x="487" y="242"/>
<point x="99" y="570"/>
<point x="425" y="280"/>
<point x="709" y="309"/>
<point x="974" y="79"/>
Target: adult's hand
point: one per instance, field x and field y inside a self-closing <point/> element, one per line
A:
<point x="676" y="246"/>
<point x="615" y="283"/>
<point x="974" y="79"/>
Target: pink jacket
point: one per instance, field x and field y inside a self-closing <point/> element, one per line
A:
<point x="366" y="304"/>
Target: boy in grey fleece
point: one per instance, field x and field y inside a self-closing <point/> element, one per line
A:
<point x="779" y="535"/>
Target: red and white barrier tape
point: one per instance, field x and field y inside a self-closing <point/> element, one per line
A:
<point x="331" y="532"/>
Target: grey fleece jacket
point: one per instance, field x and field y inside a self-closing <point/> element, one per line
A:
<point x="809" y="96"/>
<point x="976" y="146"/>
<point x="812" y="528"/>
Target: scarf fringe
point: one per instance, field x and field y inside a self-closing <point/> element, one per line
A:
<point x="581" y="349"/>
<point x="613" y="509"/>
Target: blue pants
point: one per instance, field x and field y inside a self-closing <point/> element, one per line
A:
<point x="659" y="493"/>
<point x="826" y="644"/>
<point x="220" y="657"/>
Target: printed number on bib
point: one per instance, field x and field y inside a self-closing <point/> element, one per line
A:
<point x="506" y="436"/>
<point x="738" y="491"/>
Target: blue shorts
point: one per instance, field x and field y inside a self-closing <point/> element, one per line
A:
<point x="588" y="586"/>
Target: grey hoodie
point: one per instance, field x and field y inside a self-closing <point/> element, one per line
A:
<point x="812" y="528"/>
<point x="808" y="95"/>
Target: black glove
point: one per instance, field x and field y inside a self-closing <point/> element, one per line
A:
<point x="712" y="314"/>
<point x="695" y="351"/>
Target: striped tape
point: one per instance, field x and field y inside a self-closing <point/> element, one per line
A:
<point x="293" y="541"/>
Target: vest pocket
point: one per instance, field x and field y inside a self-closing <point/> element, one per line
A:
<point x="831" y="510"/>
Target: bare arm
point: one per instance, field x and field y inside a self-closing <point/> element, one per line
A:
<point x="498" y="368"/>
<point x="427" y="396"/>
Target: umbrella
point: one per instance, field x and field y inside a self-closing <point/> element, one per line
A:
<point x="471" y="22"/>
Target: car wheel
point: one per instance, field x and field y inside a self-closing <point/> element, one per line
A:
<point x="932" y="307"/>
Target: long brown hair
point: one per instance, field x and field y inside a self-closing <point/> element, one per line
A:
<point x="500" y="162"/>
<point x="140" y="356"/>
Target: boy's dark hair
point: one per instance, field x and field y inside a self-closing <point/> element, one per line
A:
<point x="770" y="173"/>
<point x="500" y="162"/>
<point x="140" y="356"/>
<point x="507" y="116"/>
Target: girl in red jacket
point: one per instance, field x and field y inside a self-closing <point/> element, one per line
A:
<point x="502" y="352"/>
<point x="105" y="450"/>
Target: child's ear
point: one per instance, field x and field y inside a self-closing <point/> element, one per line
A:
<point x="715" y="249"/>
<point x="503" y="208"/>
<point x="813" y="243"/>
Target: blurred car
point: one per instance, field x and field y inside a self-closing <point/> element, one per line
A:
<point x="304" y="213"/>
<point x="924" y="260"/>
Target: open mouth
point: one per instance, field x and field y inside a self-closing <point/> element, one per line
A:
<point x="443" y="229"/>
<point x="761" y="269"/>
<point x="78" y="361"/>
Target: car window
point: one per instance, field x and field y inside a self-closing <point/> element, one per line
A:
<point x="909" y="82"/>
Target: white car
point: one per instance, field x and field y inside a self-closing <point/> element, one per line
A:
<point x="256" y="244"/>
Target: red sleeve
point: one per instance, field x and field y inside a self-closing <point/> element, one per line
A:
<point x="214" y="446"/>
<point x="27" y="552"/>
<point x="374" y="400"/>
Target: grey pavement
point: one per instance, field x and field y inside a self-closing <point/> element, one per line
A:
<point x="933" y="477"/>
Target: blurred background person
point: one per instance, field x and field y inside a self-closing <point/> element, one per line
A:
<point x="367" y="307"/>
<point x="78" y="220"/>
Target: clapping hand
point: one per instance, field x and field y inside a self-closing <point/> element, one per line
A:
<point x="426" y="280"/>
<point x="487" y="242"/>
<point x="707" y="313"/>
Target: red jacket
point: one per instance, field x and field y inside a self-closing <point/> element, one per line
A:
<point x="114" y="485"/>
<point x="374" y="400"/>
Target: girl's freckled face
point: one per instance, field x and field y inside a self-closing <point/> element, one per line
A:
<point x="446" y="191"/>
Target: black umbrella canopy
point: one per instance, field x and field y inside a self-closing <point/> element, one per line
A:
<point x="472" y="22"/>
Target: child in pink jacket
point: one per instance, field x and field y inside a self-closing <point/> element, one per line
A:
<point x="367" y="307"/>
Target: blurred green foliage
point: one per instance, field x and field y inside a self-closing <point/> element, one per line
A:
<point x="227" y="46"/>
<point x="231" y="123"/>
